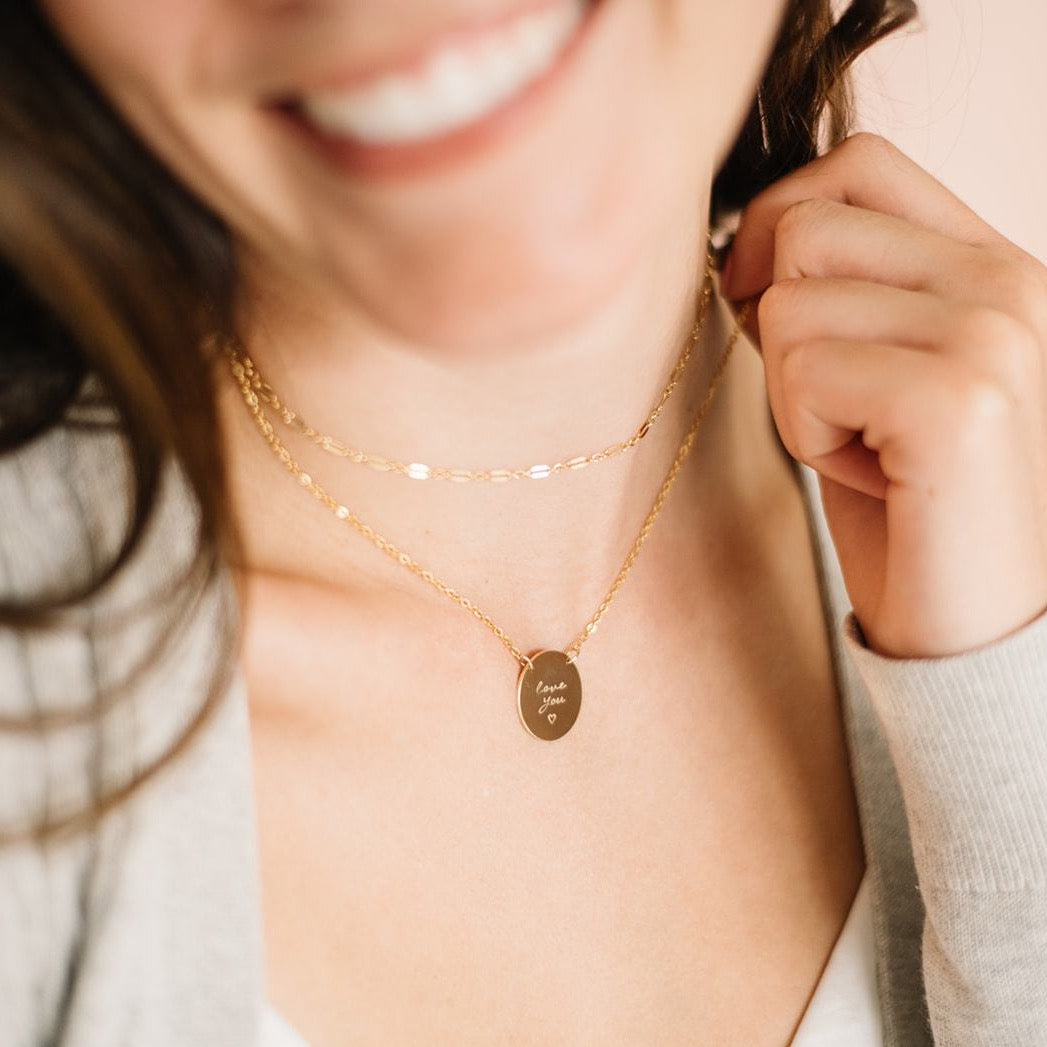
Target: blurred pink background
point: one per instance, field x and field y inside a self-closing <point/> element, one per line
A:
<point x="964" y="93"/>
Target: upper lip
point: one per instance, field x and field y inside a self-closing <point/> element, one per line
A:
<point x="408" y="57"/>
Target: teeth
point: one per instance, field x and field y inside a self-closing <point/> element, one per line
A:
<point x="457" y="85"/>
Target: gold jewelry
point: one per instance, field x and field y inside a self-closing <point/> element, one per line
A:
<point x="549" y="688"/>
<point x="419" y="471"/>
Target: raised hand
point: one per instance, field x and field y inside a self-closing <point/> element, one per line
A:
<point x="905" y="349"/>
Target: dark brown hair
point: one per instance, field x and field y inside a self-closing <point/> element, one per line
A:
<point x="112" y="275"/>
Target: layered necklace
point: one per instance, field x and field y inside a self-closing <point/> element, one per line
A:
<point x="548" y="686"/>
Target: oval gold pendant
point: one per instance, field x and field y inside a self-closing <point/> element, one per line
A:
<point x="549" y="695"/>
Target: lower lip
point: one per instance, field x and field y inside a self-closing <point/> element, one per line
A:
<point x="431" y="154"/>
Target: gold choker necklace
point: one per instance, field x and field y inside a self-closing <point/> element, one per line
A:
<point x="548" y="688"/>
<point x="420" y="471"/>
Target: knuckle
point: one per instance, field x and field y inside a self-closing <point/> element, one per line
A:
<point x="799" y="217"/>
<point x="858" y="139"/>
<point x="997" y="335"/>
<point x="1004" y="347"/>
<point x="979" y="404"/>
<point x="795" y="367"/>
<point x="982" y="325"/>
<point x="867" y="143"/>
<point x="1019" y="286"/>
<point x="777" y="301"/>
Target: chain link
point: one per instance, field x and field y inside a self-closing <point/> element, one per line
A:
<point x="253" y="399"/>
<point x="419" y="471"/>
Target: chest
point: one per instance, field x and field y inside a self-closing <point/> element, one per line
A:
<point x="682" y="860"/>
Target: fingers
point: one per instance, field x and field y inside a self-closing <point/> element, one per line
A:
<point x="865" y="171"/>
<point x="941" y="350"/>
<point x="903" y="342"/>
<point x="928" y="420"/>
<point x="825" y="238"/>
<point x="989" y="341"/>
<point x="822" y="237"/>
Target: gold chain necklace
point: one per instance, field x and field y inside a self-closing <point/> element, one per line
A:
<point x="420" y="471"/>
<point x="549" y="688"/>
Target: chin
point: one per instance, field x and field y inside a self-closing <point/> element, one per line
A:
<point x="503" y="228"/>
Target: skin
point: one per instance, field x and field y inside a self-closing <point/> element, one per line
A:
<point x="424" y="299"/>
<point x="431" y="873"/>
<point x="905" y="346"/>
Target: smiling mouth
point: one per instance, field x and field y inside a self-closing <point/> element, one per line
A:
<point x="461" y="84"/>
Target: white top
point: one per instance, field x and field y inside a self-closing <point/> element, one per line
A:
<point x="277" y="1031"/>
<point x="843" y="1008"/>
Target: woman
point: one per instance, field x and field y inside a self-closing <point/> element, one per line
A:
<point x="793" y="788"/>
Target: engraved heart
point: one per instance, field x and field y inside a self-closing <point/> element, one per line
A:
<point x="552" y="717"/>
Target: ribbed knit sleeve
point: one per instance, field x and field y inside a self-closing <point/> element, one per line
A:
<point x="968" y="735"/>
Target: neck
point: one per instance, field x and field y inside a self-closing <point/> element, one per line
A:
<point x="537" y="555"/>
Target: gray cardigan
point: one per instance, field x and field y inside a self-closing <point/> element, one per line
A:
<point x="146" y="931"/>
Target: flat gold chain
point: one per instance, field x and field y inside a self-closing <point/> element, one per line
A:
<point x="342" y="512"/>
<point x="420" y="471"/>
